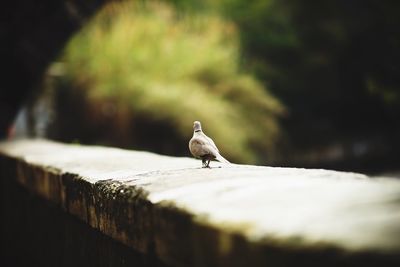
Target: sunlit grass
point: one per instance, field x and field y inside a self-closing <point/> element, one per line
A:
<point x="156" y="63"/>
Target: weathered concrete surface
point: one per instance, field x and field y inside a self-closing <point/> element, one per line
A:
<point x="235" y="215"/>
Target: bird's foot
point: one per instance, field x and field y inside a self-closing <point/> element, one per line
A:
<point x="206" y="164"/>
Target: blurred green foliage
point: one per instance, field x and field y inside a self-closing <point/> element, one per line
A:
<point x="158" y="64"/>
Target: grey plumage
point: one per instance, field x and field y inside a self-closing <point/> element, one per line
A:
<point x="203" y="147"/>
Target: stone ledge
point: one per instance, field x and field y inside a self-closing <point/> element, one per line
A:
<point x="231" y="215"/>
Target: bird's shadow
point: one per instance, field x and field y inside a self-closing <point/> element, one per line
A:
<point x="209" y="168"/>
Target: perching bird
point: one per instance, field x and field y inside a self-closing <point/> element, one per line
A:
<point x="203" y="147"/>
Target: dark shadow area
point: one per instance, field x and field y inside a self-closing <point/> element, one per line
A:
<point x="37" y="233"/>
<point x="32" y="35"/>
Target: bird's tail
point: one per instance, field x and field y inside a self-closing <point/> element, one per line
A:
<point x="221" y="159"/>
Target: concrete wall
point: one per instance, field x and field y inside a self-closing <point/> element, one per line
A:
<point x="76" y="205"/>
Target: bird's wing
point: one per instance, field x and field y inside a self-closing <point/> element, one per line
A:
<point x="200" y="146"/>
<point x="210" y="141"/>
<point x="215" y="150"/>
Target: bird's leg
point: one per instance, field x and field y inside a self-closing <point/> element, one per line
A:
<point x="208" y="164"/>
<point x="204" y="161"/>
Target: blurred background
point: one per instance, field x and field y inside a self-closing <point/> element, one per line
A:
<point x="311" y="84"/>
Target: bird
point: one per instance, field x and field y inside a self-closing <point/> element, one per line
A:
<point x="203" y="147"/>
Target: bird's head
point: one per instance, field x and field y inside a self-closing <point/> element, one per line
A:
<point x="197" y="126"/>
